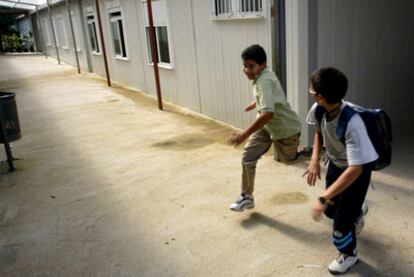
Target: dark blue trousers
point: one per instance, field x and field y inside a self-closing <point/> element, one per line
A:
<point x="347" y="207"/>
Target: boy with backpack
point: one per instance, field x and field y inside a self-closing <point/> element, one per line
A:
<point x="351" y="156"/>
<point x="275" y="124"/>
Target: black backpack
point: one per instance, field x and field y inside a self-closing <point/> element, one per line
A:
<point x="377" y="123"/>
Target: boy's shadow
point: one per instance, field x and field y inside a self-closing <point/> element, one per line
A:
<point x="298" y="234"/>
<point x="388" y="263"/>
<point x="365" y="269"/>
<point x="377" y="252"/>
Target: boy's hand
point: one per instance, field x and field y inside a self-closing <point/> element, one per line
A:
<point x="236" y="139"/>
<point x="250" y="107"/>
<point x="313" y="172"/>
<point x="317" y="210"/>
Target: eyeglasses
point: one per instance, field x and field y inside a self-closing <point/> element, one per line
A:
<point x="311" y="91"/>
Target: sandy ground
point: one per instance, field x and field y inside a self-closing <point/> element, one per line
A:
<point x="107" y="185"/>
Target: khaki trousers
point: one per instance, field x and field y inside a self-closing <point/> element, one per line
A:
<point x="258" y="144"/>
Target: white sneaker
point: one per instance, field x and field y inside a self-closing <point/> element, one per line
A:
<point x="342" y="263"/>
<point x="360" y="222"/>
<point x="242" y="203"/>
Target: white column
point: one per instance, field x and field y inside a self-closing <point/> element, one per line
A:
<point x="297" y="61"/>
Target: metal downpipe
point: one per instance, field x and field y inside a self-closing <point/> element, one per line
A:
<point x="53" y="31"/>
<point x="154" y="53"/>
<point x="98" y="12"/>
<point x="73" y="35"/>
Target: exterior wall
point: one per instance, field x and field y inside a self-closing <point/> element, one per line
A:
<point x="180" y="83"/>
<point x="25" y="26"/>
<point x="223" y="88"/>
<point x="37" y="33"/>
<point x="66" y="54"/>
<point x="206" y="75"/>
<point x="45" y="31"/>
<point x="298" y="61"/>
<point x="97" y="60"/>
<point x="371" y="41"/>
<point x="81" y="44"/>
<point x="129" y="72"/>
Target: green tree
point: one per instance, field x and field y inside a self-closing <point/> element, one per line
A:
<point x="7" y="25"/>
<point x="11" y="43"/>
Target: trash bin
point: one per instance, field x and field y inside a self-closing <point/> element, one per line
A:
<point x="9" y="117"/>
<point x="9" y="124"/>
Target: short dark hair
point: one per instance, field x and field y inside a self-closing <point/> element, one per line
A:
<point x="330" y="83"/>
<point x="255" y="53"/>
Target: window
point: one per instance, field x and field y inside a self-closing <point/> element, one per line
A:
<point x="222" y="7"/>
<point x="118" y="38"/>
<point x="61" y="32"/>
<point x="46" y="32"/>
<point x="237" y="8"/>
<point x="251" y="6"/>
<point x="93" y="38"/>
<point x="76" y="31"/>
<point x="162" y="44"/>
<point x="161" y="30"/>
<point x="55" y="31"/>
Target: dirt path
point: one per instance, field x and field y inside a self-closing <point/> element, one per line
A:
<point x="110" y="186"/>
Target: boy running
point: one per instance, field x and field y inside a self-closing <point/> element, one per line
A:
<point x="275" y="123"/>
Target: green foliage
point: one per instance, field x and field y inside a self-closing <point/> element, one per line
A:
<point x="11" y="43"/>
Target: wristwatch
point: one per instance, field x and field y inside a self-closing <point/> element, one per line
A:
<point x="325" y="201"/>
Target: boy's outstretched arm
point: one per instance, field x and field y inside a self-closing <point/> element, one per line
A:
<point x="314" y="169"/>
<point x="238" y="138"/>
<point x="250" y="107"/>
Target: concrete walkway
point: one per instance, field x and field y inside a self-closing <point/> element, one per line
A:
<point x="110" y="186"/>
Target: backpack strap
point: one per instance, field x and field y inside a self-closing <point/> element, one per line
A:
<point x="319" y="113"/>
<point x="346" y="115"/>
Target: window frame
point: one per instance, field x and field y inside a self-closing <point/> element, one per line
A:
<point x="61" y="29"/>
<point x="75" y="26"/>
<point x="47" y="32"/>
<point x="235" y="10"/>
<point x="123" y="45"/>
<point x="92" y="22"/>
<point x="54" y="29"/>
<point x="161" y="64"/>
<point x="223" y="7"/>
